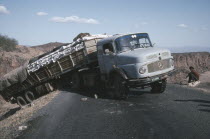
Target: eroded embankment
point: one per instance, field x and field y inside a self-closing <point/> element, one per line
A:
<point x="12" y="117"/>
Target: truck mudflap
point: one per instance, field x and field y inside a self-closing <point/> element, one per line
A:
<point x="148" y="80"/>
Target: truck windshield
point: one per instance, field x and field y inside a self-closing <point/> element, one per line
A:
<point x="132" y="41"/>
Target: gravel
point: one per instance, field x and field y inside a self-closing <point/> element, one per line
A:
<point x="13" y="118"/>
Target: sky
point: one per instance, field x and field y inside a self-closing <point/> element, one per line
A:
<point x="170" y="23"/>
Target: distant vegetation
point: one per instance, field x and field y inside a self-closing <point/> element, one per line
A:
<point x="7" y="44"/>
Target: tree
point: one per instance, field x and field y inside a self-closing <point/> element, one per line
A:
<point x="7" y="44"/>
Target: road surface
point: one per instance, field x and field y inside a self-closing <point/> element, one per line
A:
<point x="178" y="113"/>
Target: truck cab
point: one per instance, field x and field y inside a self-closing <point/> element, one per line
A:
<point x="135" y="60"/>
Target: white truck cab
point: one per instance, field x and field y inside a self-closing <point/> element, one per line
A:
<point x="133" y="58"/>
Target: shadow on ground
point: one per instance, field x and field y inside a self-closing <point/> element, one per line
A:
<point x="203" y="103"/>
<point x="9" y="113"/>
<point x="105" y="94"/>
<point x="194" y="100"/>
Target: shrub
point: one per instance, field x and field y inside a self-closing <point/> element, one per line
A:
<point x="7" y="44"/>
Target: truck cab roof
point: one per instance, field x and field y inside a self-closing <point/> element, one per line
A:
<point x="112" y="38"/>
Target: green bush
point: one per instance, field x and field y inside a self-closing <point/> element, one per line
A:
<point x="7" y="44"/>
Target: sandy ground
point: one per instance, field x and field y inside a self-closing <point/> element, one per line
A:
<point x="205" y="77"/>
<point x="205" y="82"/>
<point x="12" y="117"/>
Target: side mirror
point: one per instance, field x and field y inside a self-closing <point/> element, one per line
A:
<point x="153" y="44"/>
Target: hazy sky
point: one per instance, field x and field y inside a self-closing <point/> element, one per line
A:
<point x="169" y="23"/>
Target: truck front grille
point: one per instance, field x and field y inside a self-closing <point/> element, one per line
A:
<point x="158" y="65"/>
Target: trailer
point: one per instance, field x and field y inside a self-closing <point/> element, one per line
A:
<point x="38" y="75"/>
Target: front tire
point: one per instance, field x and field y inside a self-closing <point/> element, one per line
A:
<point x="159" y="87"/>
<point x="120" y="88"/>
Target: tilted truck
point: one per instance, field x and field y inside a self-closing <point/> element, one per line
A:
<point x="116" y="62"/>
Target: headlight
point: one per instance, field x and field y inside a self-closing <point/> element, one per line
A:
<point x="142" y="70"/>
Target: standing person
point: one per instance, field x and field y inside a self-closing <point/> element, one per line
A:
<point x="193" y="75"/>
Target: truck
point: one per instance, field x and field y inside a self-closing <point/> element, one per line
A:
<point x="106" y="62"/>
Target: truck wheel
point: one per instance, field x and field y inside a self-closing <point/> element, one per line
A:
<point x="120" y="88"/>
<point x="75" y="80"/>
<point x="21" y="101"/>
<point x="159" y="87"/>
<point x="29" y="96"/>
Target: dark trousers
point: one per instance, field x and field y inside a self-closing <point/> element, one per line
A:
<point x="192" y="78"/>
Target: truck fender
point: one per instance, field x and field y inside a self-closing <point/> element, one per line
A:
<point x="119" y="71"/>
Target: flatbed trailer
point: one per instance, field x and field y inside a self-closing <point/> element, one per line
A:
<point x="82" y="55"/>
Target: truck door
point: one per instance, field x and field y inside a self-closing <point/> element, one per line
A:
<point x="108" y="58"/>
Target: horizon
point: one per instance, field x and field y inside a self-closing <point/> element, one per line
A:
<point x="179" y="23"/>
<point x="186" y="49"/>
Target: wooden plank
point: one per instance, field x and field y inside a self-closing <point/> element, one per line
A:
<point x="54" y="68"/>
<point x="70" y="57"/>
<point x="59" y="66"/>
<point x="91" y="49"/>
<point x="50" y="73"/>
<point x="37" y="76"/>
<point x="90" y="43"/>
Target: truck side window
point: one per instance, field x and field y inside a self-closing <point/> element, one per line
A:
<point x="108" y="48"/>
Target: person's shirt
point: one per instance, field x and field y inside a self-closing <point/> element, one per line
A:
<point x="195" y="74"/>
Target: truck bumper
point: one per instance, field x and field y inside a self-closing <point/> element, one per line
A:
<point x="148" y="80"/>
